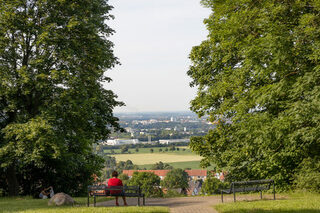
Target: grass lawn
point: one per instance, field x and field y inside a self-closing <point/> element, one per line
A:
<point x="29" y="205"/>
<point x="152" y="158"/>
<point x="297" y="202"/>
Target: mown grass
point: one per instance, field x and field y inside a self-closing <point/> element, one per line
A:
<point x="294" y="203"/>
<point x="29" y="205"/>
<point x="152" y="158"/>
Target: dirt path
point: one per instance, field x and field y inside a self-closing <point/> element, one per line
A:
<point x="198" y="204"/>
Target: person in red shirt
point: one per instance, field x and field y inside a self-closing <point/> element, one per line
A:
<point x="115" y="181"/>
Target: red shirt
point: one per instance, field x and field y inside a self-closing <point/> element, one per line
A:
<point x="115" y="182"/>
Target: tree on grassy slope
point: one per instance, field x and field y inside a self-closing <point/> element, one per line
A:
<point x="160" y="166"/>
<point x="258" y="73"/>
<point x="53" y="55"/>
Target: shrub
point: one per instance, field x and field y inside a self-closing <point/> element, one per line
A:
<point x="308" y="175"/>
<point x="212" y="185"/>
<point x="124" y="178"/>
<point x="173" y="193"/>
<point x="149" y="183"/>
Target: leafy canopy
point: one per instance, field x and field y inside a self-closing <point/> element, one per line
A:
<point x="149" y="183"/>
<point x="176" y="178"/>
<point x="53" y="107"/>
<point x="258" y="73"/>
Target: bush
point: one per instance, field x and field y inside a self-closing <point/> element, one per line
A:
<point x="124" y="178"/>
<point x="149" y="183"/>
<point x="308" y="175"/>
<point x="212" y="185"/>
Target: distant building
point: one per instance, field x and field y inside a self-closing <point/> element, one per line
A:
<point x="196" y="174"/>
<point x="116" y="142"/>
<point x="174" y="141"/>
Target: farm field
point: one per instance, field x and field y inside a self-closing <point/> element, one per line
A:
<point x="152" y="158"/>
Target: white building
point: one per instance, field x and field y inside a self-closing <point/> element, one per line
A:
<point x="174" y="141"/>
<point x="116" y="142"/>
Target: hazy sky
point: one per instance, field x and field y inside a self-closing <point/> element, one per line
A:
<point x="153" y="40"/>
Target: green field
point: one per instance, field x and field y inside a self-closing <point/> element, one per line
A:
<point x="152" y="158"/>
<point x="29" y="205"/>
<point x="182" y="158"/>
<point x="295" y="203"/>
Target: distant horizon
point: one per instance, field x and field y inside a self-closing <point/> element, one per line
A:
<point x="158" y="112"/>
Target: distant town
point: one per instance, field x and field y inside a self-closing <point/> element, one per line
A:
<point x="161" y="128"/>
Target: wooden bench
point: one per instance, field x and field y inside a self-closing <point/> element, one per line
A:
<point x="249" y="186"/>
<point x="103" y="190"/>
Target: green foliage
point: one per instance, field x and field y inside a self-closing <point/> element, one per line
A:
<point x="53" y="107"/>
<point x="149" y="183"/>
<point x="174" y="193"/>
<point x="111" y="165"/>
<point x="124" y="149"/>
<point x="176" y="178"/>
<point x="161" y="166"/>
<point x="121" y="165"/>
<point x="258" y="74"/>
<point x="308" y="175"/>
<point x="124" y="178"/>
<point x="172" y="148"/>
<point x="211" y="185"/>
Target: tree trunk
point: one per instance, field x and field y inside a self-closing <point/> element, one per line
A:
<point x="12" y="181"/>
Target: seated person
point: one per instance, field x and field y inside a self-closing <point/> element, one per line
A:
<point x="45" y="193"/>
<point x="115" y="181"/>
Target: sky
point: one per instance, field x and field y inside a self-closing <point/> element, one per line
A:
<point x="152" y="41"/>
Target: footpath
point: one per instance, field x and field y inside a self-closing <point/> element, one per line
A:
<point x="196" y="204"/>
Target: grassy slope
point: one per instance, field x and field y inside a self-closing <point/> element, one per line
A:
<point x="298" y="202"/>
<point x="28" y="205"/>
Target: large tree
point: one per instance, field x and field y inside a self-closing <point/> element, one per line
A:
<point x="53" y="107"/>
<point x="258" y="73"/>
<point x="149" y="183"/>
<point x="176" y="178"/>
